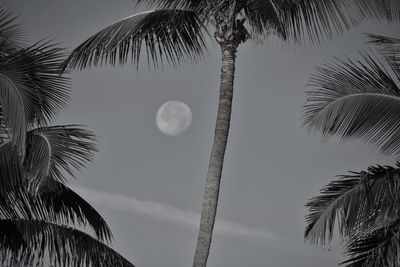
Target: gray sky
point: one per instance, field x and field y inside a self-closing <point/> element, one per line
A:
<point x="149" y="186"/>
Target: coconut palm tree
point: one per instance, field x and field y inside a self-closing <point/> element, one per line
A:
<point x="360" y="99"/>
<point x="366" y="208"/>
<point x="175" y="31"/>
<point x="36" y="207"/>
<point x="35" y="225"/>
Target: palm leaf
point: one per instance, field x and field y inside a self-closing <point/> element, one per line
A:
<point x="264" y="18"/>
<point x="57" y="204"/>
<point x="60" y="200"/>
<point x="13" y="115"/>
<point x="29" y="241"/>
<point x="390" y="48"/>
<point x="356" y="99"/>
<point x="359" y="203"/>
<point x="54" y="201"/>
<point x="175" y="4"/>
<point x="4" y="135"/>
<point x="377" y="248"/>
<point x="167" y="35"/>
<point x="53" y="151"/>
<point x="11" y="35"/>
<point x="31" y="90"/>
<point x="36" y="72"/>
<point x="11" y="173"/>
<point x="320" y="19"/>
<point x="38" y="161"/>
<point x="388" y="9"/>
<point x="389" y="45"/>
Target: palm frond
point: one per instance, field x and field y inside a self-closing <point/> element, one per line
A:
<point x="390" y="48"/>
<point x="355" y="99"/>
<point x="377" y="248"/>
<point x="264" y="18"/>
<point x="11" y="34"/>
<point x="53" y="201"/>
<point x="12" y="112"/>
<point x="317" y="20"/>
<point x="11" y="173"/>
<point x="58" y="204"/>
<point x="60" y="200"/>
<point x="167" y="35"/>
<point x="35" y="70"/>
<point x="387" y="9"/>
<point x="389" y="45"/>
<point x="29" y="241"/>
<point x="38" y="161"/>
<point x="175" y="4"/>
<point x="31" y="89"/>
<point x="53" y="151"/>
<point x="359" y="202"/>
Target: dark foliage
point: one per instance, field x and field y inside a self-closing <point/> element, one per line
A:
<point x="36" y="206"/>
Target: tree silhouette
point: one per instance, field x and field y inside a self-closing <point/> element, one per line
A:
<point x="36" y="207"/>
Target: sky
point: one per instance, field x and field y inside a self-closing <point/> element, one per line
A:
<point x="149" y="186"/>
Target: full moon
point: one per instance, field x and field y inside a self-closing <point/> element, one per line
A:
<point x="173" y="118"/>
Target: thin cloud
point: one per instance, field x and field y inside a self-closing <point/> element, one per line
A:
<point x="166" y="213"/>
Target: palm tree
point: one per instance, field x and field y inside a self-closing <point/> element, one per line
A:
<point x="175" y="30"/>
<point x="36" y="207"/>
<point x="366" y="207"/>
<point x="360" y="99"/>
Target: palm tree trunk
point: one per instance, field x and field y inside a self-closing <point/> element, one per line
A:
<point x="210" y="199"/>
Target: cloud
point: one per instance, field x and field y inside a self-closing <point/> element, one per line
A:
<point x="166" y="213"/>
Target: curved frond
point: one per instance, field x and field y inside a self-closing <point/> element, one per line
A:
<point x="54" y="150"/>
<point x="377" y="248"/>
<point x="176" y="4"/>
<point x="53" y="201"/>
<point x="355" y="99"/>
<point x="57" y="203"/>
<point x="59" y="199"/>
<point x="359" y="203"/>
<point x="12" y="112"/>
<point x="11" y="34"/>
<point x="320" y="19"/>
<point x="31" y="90"/>
<point x="167" y="35"/>
<point x="35" y="70"/>
<point x="30" y="241"/>
<point x="387" y="9"/>
<point x="264" y="18"/>
<point x="38" y="160"/>
<point x="11" y="173"/>
<point x="390" y="48"/>
<point x="388" y="45"/>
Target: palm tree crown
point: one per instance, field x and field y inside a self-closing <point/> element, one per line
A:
<point x="174" y="31"/>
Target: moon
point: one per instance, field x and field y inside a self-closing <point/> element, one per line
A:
<point x="173" y="117"/>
